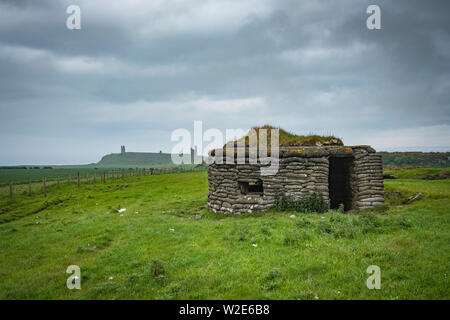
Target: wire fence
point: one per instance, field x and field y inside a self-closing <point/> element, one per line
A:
<point x="41" y="188"/>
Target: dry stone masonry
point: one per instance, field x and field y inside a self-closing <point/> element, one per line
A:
<point x="349" y="176"/>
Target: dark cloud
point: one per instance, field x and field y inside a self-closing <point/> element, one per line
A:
<point x="138" y="70"/>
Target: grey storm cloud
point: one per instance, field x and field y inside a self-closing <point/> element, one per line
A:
<point x="137" y="70"/>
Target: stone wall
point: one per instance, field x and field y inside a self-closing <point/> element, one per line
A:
<point x="368" y="180"/>
<point x="296" y="177"/>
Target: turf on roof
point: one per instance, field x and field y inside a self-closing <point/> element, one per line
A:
<point x="287" y="139"/>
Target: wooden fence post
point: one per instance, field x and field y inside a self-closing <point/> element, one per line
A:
<point x="104" y="177"/>
<point x="95" y="176"/>
<point x="29" y="187"/>
<point x="45" y="187"/>
<point x="10" y="190"/>
<point x="78" y="178"/>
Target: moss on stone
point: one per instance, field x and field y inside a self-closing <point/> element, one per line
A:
<point x="287" y="139"/>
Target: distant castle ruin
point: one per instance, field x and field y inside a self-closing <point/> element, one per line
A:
<point x="193" y="154"/>
<point x="122" y="150"/>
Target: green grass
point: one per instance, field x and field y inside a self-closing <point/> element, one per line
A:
<point x="20" y="176"/>
<point x="164" y="252"/>
<point x="419" y="173"/>
<point x="137" y="159"/>
<point x="290" y="139"/>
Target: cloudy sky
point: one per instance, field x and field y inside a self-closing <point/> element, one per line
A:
<point x="139" y="69"/>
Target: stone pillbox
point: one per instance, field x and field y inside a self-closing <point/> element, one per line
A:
<point x="348" y="175"/>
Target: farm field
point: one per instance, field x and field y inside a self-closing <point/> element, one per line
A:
<point x="421" y="173"/>
<point x="20" y="176"/>
<point x="160" y="247"/>
<point x="129" y="162"/>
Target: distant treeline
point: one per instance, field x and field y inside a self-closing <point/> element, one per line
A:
<point x="410" y="160"/>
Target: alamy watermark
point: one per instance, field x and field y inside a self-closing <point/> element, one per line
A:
<point x="74" y="280"/>
<point x="374" y="281"/>
<point x="74" y="20"/>
<point x="374" y="20"/>
<point x="239" y="147"/>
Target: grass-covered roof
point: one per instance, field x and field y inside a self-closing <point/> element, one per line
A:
<point x="287" y="139"/>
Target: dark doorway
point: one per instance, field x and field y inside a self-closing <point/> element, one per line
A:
<point x="251" y="187"/>
<point x="339" y="184"/>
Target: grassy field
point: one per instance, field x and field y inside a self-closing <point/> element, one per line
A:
<point x="254" y="256"/>
<point x="138" y="159"/>
<point x="420" y="173"/>
<point x="111" y="162"/>
<point x="20" y="176"/>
